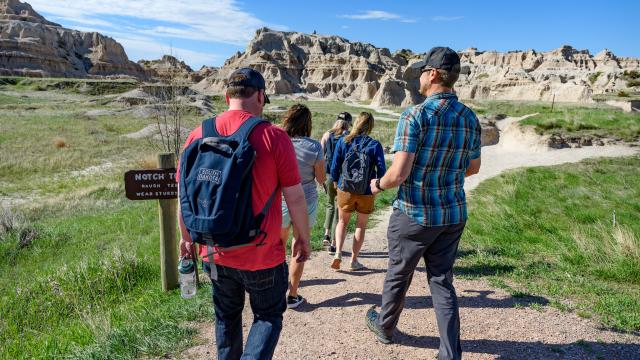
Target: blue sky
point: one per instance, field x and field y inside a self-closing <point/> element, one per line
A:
<point x="206" y="32"/>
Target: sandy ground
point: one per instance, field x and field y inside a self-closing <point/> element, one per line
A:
<point x="494" y="325"/>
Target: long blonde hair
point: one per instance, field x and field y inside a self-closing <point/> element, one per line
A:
<point x="362" y="126"/>
<point x="340" y="127"/>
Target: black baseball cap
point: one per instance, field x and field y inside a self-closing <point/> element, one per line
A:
<point x="440" y="58"/>
<point x="248" y="77"/>
<point x="344" y="116"/>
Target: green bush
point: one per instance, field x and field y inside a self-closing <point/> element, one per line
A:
<point x="482" y="76"/>
<point x="623" y="93"/>
<point x="633" y="83"/>
<point x="633" y="74"/>
<point x="593" y="77"/>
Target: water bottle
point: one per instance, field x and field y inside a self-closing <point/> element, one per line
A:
<point x="187" y="272"/>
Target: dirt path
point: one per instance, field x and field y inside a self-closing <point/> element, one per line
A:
<point x="494" y="324"/>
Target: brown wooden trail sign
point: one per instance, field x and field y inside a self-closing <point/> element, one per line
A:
<point x="151" y="184"/>
<point x="160" y="184"/>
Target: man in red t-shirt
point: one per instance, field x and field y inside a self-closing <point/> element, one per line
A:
<point x="260" y="271"/>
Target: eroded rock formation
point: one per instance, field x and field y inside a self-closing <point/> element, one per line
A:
<point x="33" y="46"/>
<point x="333" y="67"/>
<point x="168" y="68"/>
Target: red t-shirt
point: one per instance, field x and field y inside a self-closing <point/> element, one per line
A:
<point x="275" y="167"/>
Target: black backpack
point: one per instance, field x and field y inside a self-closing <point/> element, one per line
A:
<point x="215" y="187"/>
<point x="330" y="148"/>
<point x="357" y="168"/>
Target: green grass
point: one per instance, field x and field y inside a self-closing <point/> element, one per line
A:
<point x="80" y="86"/>
<point x="550" y="231"/>
<point x="569" y="119"/>
<point x="324" y="115"/>
<point x="82" y="291"/>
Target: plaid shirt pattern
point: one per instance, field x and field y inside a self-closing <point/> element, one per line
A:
<point x="445" y="135"/>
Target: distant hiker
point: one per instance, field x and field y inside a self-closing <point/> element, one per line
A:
<point x="329" y="141"/>
<point x="357" y="159"/>
<point x="259" y="268"/>
<point x="297" y="124"/>
<point x="437" y="145"/>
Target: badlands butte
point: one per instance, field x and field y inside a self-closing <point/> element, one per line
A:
<point x="323" y="66"/>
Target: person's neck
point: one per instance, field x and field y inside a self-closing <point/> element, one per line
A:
<point x="437" y="89"/>
<point x="251" y="107"/>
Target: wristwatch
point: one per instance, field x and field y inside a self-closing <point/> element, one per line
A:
<point x="378" y="185"/>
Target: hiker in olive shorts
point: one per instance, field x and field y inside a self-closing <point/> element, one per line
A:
<point x="437" y="145"/>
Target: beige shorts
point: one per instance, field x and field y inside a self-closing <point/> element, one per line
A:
<point x="363" y="204"/>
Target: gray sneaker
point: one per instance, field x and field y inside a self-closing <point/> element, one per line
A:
<point x="355" y="266"/>
<point x="370" y="320"/>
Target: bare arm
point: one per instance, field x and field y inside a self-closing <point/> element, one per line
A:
<point x="323" y="141"/>
<point x="318" y="169"/>
<point x="186" y="244"/>
<point x="397" y="173"/>
<point x="474" y="167"/>
<point x="297" y="204"/>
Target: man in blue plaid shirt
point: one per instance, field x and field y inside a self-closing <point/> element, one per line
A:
<point x="437" y="145"/>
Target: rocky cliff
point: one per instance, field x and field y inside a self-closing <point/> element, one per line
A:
<point x="169" y="68"/>
<point x="334" y="67"/>
<point x="33" y="46"/>
<point x="325" y="66"/>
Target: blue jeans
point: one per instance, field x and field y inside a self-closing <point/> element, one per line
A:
<point x="267" y="294"/>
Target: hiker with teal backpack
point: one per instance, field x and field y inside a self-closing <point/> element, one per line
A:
<point x="329" y="141"/>
<point x="358" y="158"/>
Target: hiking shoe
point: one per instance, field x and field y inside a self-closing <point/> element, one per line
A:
<point x="355" y="266"/>
<point x="370" y="320"/>
<point x="327" y="240"/>
<point x="335" y="264"/>
<point x="294" y="301"/>
<point x="332" y="250"/>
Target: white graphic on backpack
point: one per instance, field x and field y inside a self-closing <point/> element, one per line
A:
<point x="210" y="175"/>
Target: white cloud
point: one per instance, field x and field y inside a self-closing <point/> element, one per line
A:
<point x="145" y="27"/>
<point x="378" y="15"/>
<point x="217" y="21"/>
<point x="147" y="48"/>
<point x="447" y="18"/>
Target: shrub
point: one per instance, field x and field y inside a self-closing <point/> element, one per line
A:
<point x="59" y="143"/>
<point x="593" y="77"/>
<point x="623" y="93"/>
<point x="552" y="124"/>
<point x="482" y="76"/>
<point x="9" y="220"/>
<point x="27" y="235"/>
<point x="148" y="162"/>
<point x="633" y="83"/>
<point x="633" y="74"/>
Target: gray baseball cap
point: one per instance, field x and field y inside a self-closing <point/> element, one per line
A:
<point x="440" y="58"/>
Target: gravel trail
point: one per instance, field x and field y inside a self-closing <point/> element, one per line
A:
<point x="494" y="325"/>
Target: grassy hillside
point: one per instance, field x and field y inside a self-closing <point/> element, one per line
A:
<point x="549" y="231"/>
<point x="569" y="119"/>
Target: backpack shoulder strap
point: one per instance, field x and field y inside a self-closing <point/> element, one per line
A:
<point x="209" y="128"/>
<point x="247" y="127"/>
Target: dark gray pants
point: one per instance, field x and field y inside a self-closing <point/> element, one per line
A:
<point x="408" y="243"/>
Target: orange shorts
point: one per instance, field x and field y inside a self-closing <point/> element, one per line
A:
<point x="364" y="204"/>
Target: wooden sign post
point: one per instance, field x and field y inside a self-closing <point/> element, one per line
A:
<point x="160" y="184"/>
